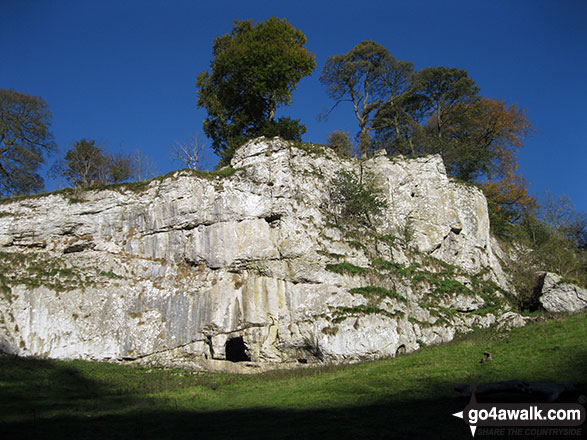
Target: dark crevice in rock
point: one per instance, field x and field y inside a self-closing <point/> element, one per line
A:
<point x="79" y="247"/>
<point x="210" y="346"/>
<point x="532" y="302"/>
<point x="236" y="350"/>
<point x="273" y="219"/>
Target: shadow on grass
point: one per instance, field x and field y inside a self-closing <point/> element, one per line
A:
<point x="408" y="420"/>
<point x="75" y="407"/>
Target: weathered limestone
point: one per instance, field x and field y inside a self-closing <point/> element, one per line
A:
<point x="559" y="296"/>
<point x="172" y="271"/>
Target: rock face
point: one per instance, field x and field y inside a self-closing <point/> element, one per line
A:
<point x="558" y="296"/>
<point x="246" y="265"/>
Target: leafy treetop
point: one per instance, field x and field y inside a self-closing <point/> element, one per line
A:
<point x="25" y="137"/>
<point x="254" y="71"/>
<point x="365" y="76"/>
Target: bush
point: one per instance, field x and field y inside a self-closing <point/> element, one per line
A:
<point x="354" y="201"/>
<point x="340" y="141"/>
<point x="346" y="269"/>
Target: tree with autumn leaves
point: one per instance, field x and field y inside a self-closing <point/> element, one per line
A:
<point x="497" y="131"/>
<point x="436" y="110"/>
<point x="482" y="141"/>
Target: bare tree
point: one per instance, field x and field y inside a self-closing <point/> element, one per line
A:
<point x="143" y="165"/>
<point x="558" y="211"/>
<point x="188" y="152"/>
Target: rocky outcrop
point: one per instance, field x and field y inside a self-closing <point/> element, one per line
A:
<point x="246" y="265"/>
<point x="559" y="296"/>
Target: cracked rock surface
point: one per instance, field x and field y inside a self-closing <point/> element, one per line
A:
<point x="176" y="270"/>
<point x="559" y="296"/>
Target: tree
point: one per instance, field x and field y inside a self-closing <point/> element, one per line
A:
<point x="119" y="167"/>
<point x="189" y="153"/>
<point x="254" y="71"/>
<point x="355" y="201"/>
<point x="396" y="120"/>
<point x="483" y="138"/>
<point x="144" y="167"/>
<point x="562" y="216"/>
<point x="25" y="138"/>
<point x="508" y="202"/>
<point x="340" y="141"/>
<point x="556" y="239"/>
<point x="441" y="89"/>
<point x="85" y="164"/>
<point x="364" y="76"/>
<point x="397" y="126"/>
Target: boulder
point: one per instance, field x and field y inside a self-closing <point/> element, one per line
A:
<point x="558" y="295"/>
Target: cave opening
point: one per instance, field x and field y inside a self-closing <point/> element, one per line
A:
<point x="236" y="350"/>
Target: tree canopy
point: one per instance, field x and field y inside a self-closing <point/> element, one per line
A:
<point x="25" y="138"/>
<point x="86" y="164"/>
<point x="435" y="110"/>
<point x="366" y="76"/>
<point x="254" y="71"/>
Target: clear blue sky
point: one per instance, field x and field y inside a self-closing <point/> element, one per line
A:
<point x="123" y="72"/>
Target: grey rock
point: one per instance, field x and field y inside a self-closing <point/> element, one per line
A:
<point x="560" y="296"/>
<point x="173" y="271"/>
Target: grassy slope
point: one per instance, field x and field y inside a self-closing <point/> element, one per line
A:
<point x="406" y="397"/>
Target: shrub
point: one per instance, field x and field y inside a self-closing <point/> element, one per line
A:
<point x="340" y="141"/>
<point x="346" y="268"/>
<point x="355" y="201"/>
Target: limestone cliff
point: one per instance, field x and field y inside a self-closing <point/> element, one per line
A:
<point x="195" y="268"/>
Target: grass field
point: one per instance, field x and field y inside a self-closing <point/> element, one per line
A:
<point x="408" y="397"/>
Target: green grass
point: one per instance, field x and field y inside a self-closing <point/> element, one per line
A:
<point x="347" y="269"/>
<point x="407" y="397"/>
<point x="377" y="292"/>
<point x="73" y="194"/>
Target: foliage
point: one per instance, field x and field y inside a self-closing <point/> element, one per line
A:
<point x="346" y="269"/>
<point x="397" y="125"/>
<point x="494" y="128"/>
<point x="254" y="71"/>
<point x="546" y="242"/>
<point x="442" y="89"/>
<point x="508" y="202"/>
<point x="365" y="76"/>
<point x="119" y="167"/>
<point x="25" y="138"/>
<point x="377" y="292"/>
<point x="340" y="141"/>
<point x="355" y="201"/>
<point x="86" y="164"/>
<point x="554" y="247"/>
<point x="39" y="269"/>
<point x="436" y="110"/>
<point x="483" y="139"/>
<point x="343" y="313"/>
<point x="561" y="214"/>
